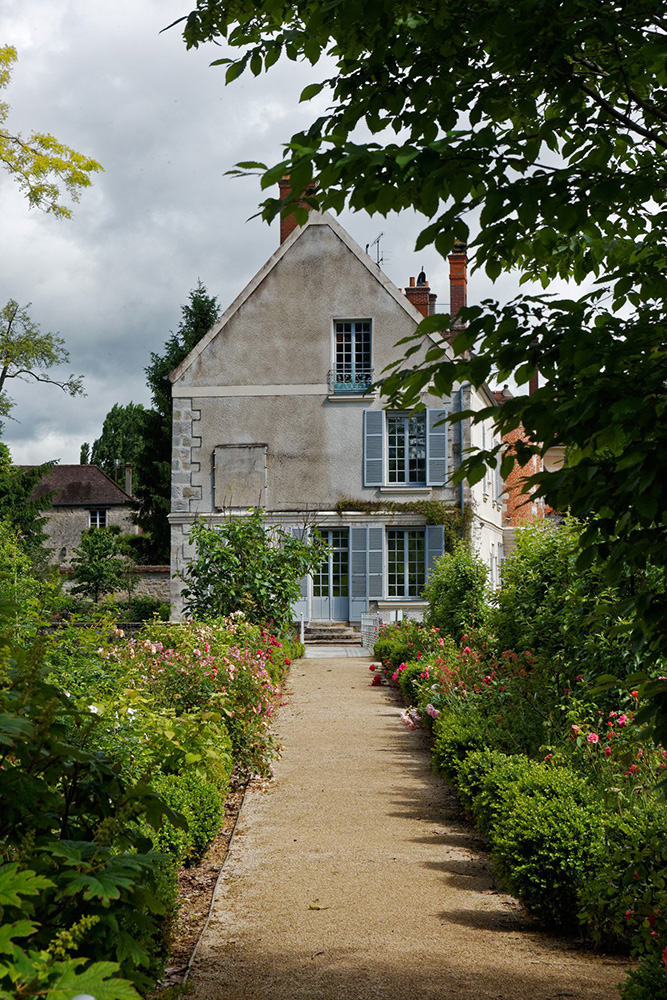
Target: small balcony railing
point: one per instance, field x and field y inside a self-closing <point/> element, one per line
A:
<point x="342" y="382"/>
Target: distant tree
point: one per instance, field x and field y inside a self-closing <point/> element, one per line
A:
<point x="84" y="454"/>
<point x="121" y="441"/>
<point x="26" y="353"/>
<point x="19" y="511"/>
<point x="38" y="162"/>
<point x="153" y="491"/>
<point x="198" y="316"/>
<point x="99" y="567"/>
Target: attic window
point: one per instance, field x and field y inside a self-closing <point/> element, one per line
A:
<point x="98" y="518"/>
<point x="352" y="356"/>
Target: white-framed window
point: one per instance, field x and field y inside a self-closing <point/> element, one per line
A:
<point x="98" y="518"/>
<point x="406" y="448"/>
<point x="353" y="367"/>
<point x="402" y="449"/>
<point x="406" y="562"/>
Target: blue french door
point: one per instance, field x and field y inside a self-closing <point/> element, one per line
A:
<point x="331" y="582"/>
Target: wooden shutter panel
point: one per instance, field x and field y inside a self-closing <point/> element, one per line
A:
<point x="373" y="447"/>
<point x="436" y="448"/>
<point x="375" y="563"/>
<point x="358" y="573"/>
<point x="435" y="546"/>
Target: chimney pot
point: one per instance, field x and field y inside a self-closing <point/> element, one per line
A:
<point x="128" y="478"/>
<point x="412" y="282"/>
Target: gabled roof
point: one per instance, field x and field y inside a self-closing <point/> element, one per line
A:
<point x="314" y="219"/>
<point x="80" y="485"/>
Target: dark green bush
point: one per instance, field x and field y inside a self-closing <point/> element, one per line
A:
<point x="456" y="736"/>
<point x="648" y="982"/>
<point x="457" y="592"/>
<point x="627" y="899"/>
<point x="548" y="841"/>
<point x="202" y="805"/>
<point x="473" y="780"/>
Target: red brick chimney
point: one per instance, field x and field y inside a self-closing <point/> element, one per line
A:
<point x="288" y="223"/>
<point x="458" y="282"/>
<point x="421" y="295"/>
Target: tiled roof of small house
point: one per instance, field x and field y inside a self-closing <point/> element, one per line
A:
<point x="80" y="485"/>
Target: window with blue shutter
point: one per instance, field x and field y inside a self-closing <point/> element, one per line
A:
<point x="373" y="447"/>
<point x="358" y="573"/>
<point x="436" y="444"/>
<point x="402" y="449"/>
<point x="435" y="546"/>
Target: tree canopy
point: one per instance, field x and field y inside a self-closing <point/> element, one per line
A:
<point x="121" y="441"/>
<point x="40" y="164"/>
<point x="27" y="354"/>
<point x="535" y="134"/>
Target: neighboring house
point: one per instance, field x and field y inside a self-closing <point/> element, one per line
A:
<point x="81" y="496"/>
<point x="271" y="410"/>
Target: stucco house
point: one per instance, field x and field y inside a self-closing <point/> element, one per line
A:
<point x="80" y="497"/>
<point x="271" y="410"/>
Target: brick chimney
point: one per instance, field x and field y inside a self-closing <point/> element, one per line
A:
<point x="288" y="223"/>
<point x="128" y="478"/>
<point x="421" y="295"/>
<point x="458" y="282"/>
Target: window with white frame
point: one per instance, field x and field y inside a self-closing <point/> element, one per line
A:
<point x="353" y="371"/>
<point x="406" y="562"/>
<point x="98" y="518"/>
<point x="405" y="450"/>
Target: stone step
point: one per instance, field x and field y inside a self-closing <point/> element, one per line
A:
<point x="333" y="633"/>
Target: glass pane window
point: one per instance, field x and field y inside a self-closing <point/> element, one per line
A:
<point x="331" y="579"/>
<point x="352" y="354"/>
<point x="98" y="518"/>
<point x="406" y="447"/>
<point x="406" y="562"/>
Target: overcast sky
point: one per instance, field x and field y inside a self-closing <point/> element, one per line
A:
<point x="100" y="77"/>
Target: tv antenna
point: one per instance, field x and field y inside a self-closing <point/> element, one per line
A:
<point x="379" y="256"/>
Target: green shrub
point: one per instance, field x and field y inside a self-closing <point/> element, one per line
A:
<point x="203" y="806"/>
<point x="473" y="783"/>
<point x="648" y="982"/>
<point x="456" y="736"/>
<point x="548" y="841"/>
<point x="457" y="592"/>
<point x="627" y="899"/>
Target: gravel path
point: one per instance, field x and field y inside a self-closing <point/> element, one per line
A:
<point x="353" y="875"/>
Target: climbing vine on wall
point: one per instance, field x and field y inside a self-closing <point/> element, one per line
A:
<point x="456" y="521"/>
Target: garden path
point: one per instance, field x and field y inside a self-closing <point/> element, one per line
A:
<point x="352" y="875"/>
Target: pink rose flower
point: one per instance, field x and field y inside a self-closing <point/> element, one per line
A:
<point x="593" y="738"/>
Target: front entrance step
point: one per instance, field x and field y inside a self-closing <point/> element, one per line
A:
<point x="331" y="633"/>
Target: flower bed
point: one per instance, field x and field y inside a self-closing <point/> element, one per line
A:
<point x="117" y="755"/>
<point x="560" y="779"/>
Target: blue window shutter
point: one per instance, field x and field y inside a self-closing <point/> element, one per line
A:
<point x="436" y="448"/>
<point x="373" y="447"/>
<point x="358" y="573"/>
<point x="435" y="546"/>
<point x="376" y="562"/>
